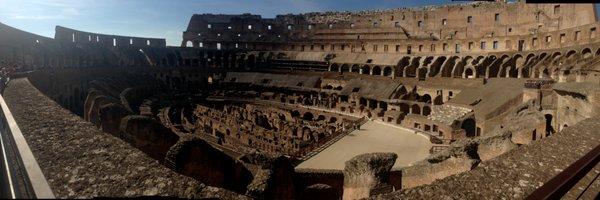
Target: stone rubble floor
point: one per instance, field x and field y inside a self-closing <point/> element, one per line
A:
<point x="81" y="161"/>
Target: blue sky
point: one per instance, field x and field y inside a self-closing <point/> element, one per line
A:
<point x="161" y="18"/>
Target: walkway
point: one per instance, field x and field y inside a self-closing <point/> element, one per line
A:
<point x="373" y="137"/>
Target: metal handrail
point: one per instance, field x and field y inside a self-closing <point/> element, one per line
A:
<point x="21" y="174"/>
<point x="558" y="186"/>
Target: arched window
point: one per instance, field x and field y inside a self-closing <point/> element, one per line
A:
<point x="114" y="42"/>
<point x="130" y="41"/>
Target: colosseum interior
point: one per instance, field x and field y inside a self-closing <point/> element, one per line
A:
<point x="484" y="100"/>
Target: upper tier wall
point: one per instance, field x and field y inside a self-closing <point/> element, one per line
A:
<point x="67" y="35"/>
<point x="26" y="51"/>
<point x="465" y="21"/>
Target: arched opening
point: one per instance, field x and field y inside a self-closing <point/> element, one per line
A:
<point x="436" y="66"/>
<point x="422" y="73"/>
<point x="426" y="98"/>
<point x="426" y="110"/>
<point x="469" y="126"/>
<point x="496" y="67"/>
<point x="469" y="73"/>
<point x="387" y="71"/>
<point x="404" y="108"/>
<point x="332" y="120"/>
<point x="355" y="69"/>
<point x="362" y="101"/>
<point x="513" y="72"/>
<point x="334" y="67"/>
<point x="308" y="116"/>
<point x="321" y="118"/>
<point x="295" y="113"/>
<point x="571" y="54"/>
<point x="345" y="68"/>
<point x="416" y="109"/>
<point x="189" y="44"/>
<point x="366" y="69"/>
<point x="438" y="100"/>
<point x="376" y="70"/>
<point x="586" y="53"/>
<point x="449" y="66"/>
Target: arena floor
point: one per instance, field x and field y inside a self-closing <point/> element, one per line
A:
<point x="372" y="137"/>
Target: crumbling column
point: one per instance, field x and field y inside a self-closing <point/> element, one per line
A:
<point x="368" y="174"/>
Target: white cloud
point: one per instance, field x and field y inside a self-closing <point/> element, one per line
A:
<point x="41" y="9"/>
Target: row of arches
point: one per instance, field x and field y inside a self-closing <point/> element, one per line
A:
<point x="532" y="65"/>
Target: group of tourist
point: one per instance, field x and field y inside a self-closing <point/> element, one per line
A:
<point x="5" y="70"/>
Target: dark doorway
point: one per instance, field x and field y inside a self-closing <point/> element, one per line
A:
<point x="549" y="128"/>
<point x="469" y="126"/>
<point x="521" y="45"/>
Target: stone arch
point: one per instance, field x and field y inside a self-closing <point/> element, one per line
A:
<point x="405" y="61"/>
<point x="469" y="73"/>
<point x="427" y="61"/>
<point x="387" y="71"/>
<point x="470" y="127"/>
<point x="512" y="69"/>
<point x="411" y="69"/>
<point x="308" y="116"/>
<point x="399" y="92"/>
<point x="482" y="68"/>
<point x="478" y="60"/>
<point x="345" y="68"/>
<point x="571" y="53"/>
<point x="495" y="68"/>
<point x="404" y="108"/>
<point x="426" y="110"/>
<point x="295" y="113"/>
<point x="449" y="66"/>
<point x="426" y="98"/>
<point x="334" y="67"/>
<point x="321" y="118"/>
<point x="332" y="120"/>
<point x="366" y="69"/>
<point x="422" y="73"/>
<point x="586" y="53"/>
<point x="355" y="68"/>
<point x="439" y="100"/>
<point x="460" y="66"/>
<point x="416" y="109"/>
<point x="376" y="70"/>
<point x="435" y="67"/>
<point x="362" y="101"/>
